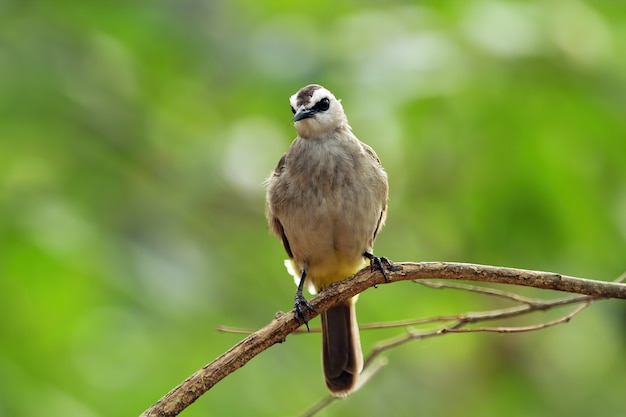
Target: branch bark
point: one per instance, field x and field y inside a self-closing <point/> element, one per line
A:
<point x="283" y="324"/>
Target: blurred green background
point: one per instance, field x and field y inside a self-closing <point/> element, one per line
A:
<point x="134" y="140"/>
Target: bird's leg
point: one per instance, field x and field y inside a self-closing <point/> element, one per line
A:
<point x="301" y="304"/>
<point x="382" y="264"/>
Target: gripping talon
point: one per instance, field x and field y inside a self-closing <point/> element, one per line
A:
<point x="382" y="264"/>
<point x="390" y="265"/>
<point x="302" y="305"/>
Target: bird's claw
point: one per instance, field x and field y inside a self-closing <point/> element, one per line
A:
<point x="382" y="264"/>
<point x="300" y="308"/>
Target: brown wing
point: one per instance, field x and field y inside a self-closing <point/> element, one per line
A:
<point x="284" y="238"/>
<point x="274" y="223"/>
<point x="383" y="211"/>
<point x="381" y="222"/>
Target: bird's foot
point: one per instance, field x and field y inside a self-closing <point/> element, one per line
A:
<point x="300" y="308"/>
<point x="382" y="264"/>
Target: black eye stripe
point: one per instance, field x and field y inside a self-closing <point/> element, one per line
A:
<point x="322" y="105"/>
<point x="293" y="110"/>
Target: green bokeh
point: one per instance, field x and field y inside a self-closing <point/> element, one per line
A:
<point x="134" y="141"/>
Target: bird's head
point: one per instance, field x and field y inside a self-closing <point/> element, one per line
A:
<point x="316" y="112"/>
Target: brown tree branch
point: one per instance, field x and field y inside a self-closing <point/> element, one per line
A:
<point x="284" y="323"/>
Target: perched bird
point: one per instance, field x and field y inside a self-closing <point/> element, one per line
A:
<point x="326" y="201"/>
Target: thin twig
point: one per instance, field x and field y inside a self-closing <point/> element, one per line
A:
<point x="463" y="320"/>
<point x="521" y="329"/>
<point x="479" y="290"/>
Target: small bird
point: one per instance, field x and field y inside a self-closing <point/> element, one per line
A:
<point x="326" y="201"/>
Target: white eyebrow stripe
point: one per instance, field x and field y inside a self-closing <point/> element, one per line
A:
<point x="318" y="95"/>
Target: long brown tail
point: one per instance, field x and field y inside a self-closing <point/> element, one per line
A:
<point x="341" y="349"/>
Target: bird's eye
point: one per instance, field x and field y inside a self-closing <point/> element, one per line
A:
<point x="322" y="105"/>
<point x="293" y="110"/>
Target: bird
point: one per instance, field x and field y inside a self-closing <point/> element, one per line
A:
<point x="327" y="200"/>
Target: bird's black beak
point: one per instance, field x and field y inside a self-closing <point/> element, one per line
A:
<point x="303" y="113"/>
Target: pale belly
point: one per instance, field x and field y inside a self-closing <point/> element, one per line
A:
<point x="329" y="238"/>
